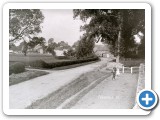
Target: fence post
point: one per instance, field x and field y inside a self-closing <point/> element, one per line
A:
<point x="131" y="69"/>
<point x="123" y="69"/>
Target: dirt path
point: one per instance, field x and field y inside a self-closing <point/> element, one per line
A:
<point x="24" y="94"/>
<point x="109" y="94"/>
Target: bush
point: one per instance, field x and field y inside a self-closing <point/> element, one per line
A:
<point x="16" y="68"/>
<point x="38" y="64"/>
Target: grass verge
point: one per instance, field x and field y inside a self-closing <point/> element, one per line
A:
<point x="27" y="75"/>
<point x="132" y="62"/>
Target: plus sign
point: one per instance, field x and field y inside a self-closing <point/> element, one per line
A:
<point x="147" y="99"/>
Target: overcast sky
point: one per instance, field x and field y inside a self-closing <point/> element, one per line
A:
<point x="60" y="25"/>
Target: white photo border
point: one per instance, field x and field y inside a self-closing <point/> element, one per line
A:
<point x="8" y="6"/>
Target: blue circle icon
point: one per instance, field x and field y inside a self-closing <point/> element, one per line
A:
<point x="147" y="99"/>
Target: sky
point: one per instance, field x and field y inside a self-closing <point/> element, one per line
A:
<point x="60" y="25"/>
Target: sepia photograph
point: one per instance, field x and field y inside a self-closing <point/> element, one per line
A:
<point x="76" y="58"/>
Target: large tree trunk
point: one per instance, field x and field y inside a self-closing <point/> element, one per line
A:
<point x="24" y="48"/>
<point x="119" y="34"/>
<point x="119" y="38"/>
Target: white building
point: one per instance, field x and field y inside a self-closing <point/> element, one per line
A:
<point x="102" y="51"/>
<point x="59" y="52"/>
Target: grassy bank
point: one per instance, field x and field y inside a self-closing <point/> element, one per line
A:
<point x="24" y="76"/>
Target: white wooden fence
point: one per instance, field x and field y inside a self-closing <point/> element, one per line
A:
<point x="131" y="69"/>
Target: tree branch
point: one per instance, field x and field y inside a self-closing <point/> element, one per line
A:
<point x="19" y="35"/>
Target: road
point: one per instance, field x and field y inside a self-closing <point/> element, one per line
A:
<point x="111" y="94"/>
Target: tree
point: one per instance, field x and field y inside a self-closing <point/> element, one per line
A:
<point x="70" y="53"/>
<point x="24" y="48"/>
<point x="12" y="45"/>
<point x="36" y="41"/>
<point x="50" y="48"/>
<point x="115" y="27"/>
<point x="132" y="25"/>
<point x="75" y="44"/>
<point x="85" y="47"/>
<point x="63" y="45"/>
<point x="50" y="41"/>
<point x="24" y="23"/>
<point x="17" y="48"/>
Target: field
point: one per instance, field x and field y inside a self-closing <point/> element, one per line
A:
<point x="32" y="57"/>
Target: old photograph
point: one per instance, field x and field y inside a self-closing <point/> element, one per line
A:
<point x="76" y="58"/>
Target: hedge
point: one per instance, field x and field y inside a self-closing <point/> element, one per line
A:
<point x="61" y="57"/>
<point x="37" y="64"/>
<point x="17" y="67"/>
<point x="42" y="64"/>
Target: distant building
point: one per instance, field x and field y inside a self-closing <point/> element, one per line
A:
<point x="36" y="49"/>
<point x="102" y="51"/>
<point x="59" y="52"/>
<point x="39" y="49"/>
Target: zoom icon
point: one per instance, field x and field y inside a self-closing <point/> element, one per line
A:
<point x="147" y="99"/>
